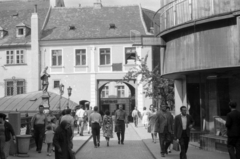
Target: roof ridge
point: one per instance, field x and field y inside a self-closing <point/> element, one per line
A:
<point x="108" y="6"/>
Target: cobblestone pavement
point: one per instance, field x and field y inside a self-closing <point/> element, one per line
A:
<point x="133" y="148"/>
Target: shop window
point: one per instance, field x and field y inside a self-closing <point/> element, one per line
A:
<point x="80" y="56"/>
<point x="105" y="56"/>
<point x="56" y="57"/>
<point x="14" y="87"/>
<point x="130" y="55"/>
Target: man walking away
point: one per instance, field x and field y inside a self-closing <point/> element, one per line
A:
<point x="135" y="116"/>
<point x="39" y="122"/>
<point x="69" y="119"/>
<point x="120" y="121"/>
<point x="164" y="127"/>
<point x="81" y="114"/>
<point x="95" y="122"/>
<point x="233" y="131"/>
<point x="182" y="126"/>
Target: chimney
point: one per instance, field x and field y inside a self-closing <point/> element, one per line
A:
<point x="97" y="5"/>
<point x="35" y="60"/>
<point x="57" y="3"/>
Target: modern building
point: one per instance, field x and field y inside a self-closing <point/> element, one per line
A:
<point x="200" y="52"/>
<point x="87" y="48"/>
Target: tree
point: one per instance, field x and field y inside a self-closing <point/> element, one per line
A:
<point x="154" y="86"/>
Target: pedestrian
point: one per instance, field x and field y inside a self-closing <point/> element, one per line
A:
<point x="107" y="126"/>
<point x="120" y="121"/>
<point x="50" y="116"/>
<point x="9" y="132"/>
<point x="53" y="124"/>
<point x="152" y="117"/>
<point x="2" y="137"/>
<point x="169" y="150"/>
<point x="89" y="112"/>
<point x="135" y="115"/>
<point x="68" y="117"/>
<point x="233" y="131"/>
<point x="62" y="141"/>
<point x="145" y="117"/>
<point x="49" y="134"/>
<point x="182" y="126"/>
<point x="164" y="127"/>
<point x="95" y="121"/>
<point x="38" y="123"/>
<point x="81" y="115"/>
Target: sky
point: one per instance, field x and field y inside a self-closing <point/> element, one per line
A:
<point x="149" y="4"/>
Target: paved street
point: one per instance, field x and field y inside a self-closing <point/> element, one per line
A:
<point x="133" y="148"/>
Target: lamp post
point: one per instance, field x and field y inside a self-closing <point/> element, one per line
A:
<point x="61" y="90"/>
<point x="69" y="94"/>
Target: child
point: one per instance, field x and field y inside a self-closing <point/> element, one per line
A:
<point x="49" y="134"/>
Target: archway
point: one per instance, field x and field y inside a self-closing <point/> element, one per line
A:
<point x="112" y="93"/>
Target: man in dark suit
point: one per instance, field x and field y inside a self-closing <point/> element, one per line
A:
<point x="233" y="131"/>
<point x="164" y="127"/>
<point x="182" y="126"/>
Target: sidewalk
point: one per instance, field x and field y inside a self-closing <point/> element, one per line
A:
<point x="78" y="143"/>
<point x="193" y="152"/>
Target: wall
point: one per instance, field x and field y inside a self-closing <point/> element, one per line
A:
<point x="213" y="45"/>
<point x="18" y="71"/>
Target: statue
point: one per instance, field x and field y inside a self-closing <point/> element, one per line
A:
<point x="44" y="78"/>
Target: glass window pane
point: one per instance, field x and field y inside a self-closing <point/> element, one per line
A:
<point x="83" y="59"/>
<point x="54" y="60"/>
<point x="77" y="58"/>
<point x="102" y="60"/>
<point x="60" y="60"/>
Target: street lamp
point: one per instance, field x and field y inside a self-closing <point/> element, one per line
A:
<point x="61" y="90"/>
<point x="69" y="94"/>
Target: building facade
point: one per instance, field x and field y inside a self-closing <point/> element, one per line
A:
<point x="201" y="54"/>
<point x="85" y="48"/>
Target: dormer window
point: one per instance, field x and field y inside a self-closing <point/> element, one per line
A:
<point x="22" y="30"/>
<point x="2" y="32"/>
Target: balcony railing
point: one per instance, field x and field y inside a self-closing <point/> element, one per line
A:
<point x="183" y="11"/>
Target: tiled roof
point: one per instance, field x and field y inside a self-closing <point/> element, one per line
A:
<point x="93" y="23"/>
<point x="148" y="18"/>
<point x="29" y="102"/>
<point x="14" y="13"/>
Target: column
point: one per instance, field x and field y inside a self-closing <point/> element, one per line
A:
<point x="140" y="95"/>
<point x="180" y="94"/>
<point x="93" y="87"/>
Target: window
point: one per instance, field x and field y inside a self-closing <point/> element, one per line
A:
<point x="130" y="55"/>
<point x="120" y="91"/>
<point x="80" y="55"/>
<point x="15" y="57"/>
<point x="56" y="57"/>
<point x="21" y="31"/>
<point x="14" y="87"/>
<point x="20" y="57"/>
<point x="105" y="92"/>
<point x="105" y="56"/>
<point x="9" y="88"/>
<point x="56" y="84"/>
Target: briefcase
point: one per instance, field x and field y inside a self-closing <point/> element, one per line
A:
<point x="176" y="145"/>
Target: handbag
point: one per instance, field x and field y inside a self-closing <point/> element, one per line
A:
<point x="176" y="145"/>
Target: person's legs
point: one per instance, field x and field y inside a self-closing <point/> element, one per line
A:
<point x="168" y="139"/>
<point x="238" y="148"/>
<point x="94" y="134"/>
<point x="50" y="148"/>
<point x="36" y="136"/>
<point x="2" y="143"/>
<point x="231" y="143"/>
<point x="161" y="141"/>
<point x="82" y="126"/>
<point x="41" y="136"/>
<point x="6" y="148"/>
<point x="98" y="134"/>
<point x="122" y="132"/>
<point x="118" y="136"/>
